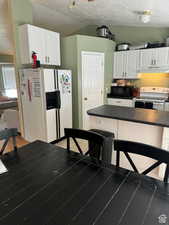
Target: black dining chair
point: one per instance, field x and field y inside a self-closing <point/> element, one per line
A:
<point x="5" y="135"/>
<point x="96" y="142"/>
<point x="152" y="152"/>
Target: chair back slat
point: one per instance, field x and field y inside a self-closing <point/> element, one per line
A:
<point x="85" y="135"/>
<point x="6" y="134"/>
<point x="95" y="141"/>
<point x="149" y="151"/>
<point x="142" y="149"/>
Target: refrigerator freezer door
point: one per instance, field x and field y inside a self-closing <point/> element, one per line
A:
<point x="64" y="81"/>
<point x="32" y="105"/>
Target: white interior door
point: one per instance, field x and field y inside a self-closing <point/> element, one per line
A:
<point x="92" y="83"/>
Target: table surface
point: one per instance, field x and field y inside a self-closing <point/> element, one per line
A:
<point x="145" y="116"/>
<point x="47" y="186"/>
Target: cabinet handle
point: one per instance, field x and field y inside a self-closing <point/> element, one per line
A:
<point x="48" y="59"/>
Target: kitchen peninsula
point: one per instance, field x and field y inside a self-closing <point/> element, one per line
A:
<point x="140" y="125"/>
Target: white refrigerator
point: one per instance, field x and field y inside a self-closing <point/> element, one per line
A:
<point x="46" y="96"/>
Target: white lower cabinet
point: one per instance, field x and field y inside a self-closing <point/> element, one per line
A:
<point x="120" y="102"/>
<point x="131" y="131"/>
<point x="103" y="124"/>
<point x="166" y="107"/>
<point x="143" y="133"/>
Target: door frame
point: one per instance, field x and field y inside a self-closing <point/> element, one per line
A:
<point x="103" y="57"/>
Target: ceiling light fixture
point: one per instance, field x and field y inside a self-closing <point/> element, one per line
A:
<point x="145" y="16"/>
<point x="72" y="4"/>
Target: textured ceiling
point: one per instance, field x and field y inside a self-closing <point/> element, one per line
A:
<point x="56" y="15"/>
<point x="55" y="20"/>
<point x="6" y="45"/>
<point x="109" y="12"/>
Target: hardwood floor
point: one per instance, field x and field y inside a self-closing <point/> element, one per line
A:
<point x="20" y="142"/>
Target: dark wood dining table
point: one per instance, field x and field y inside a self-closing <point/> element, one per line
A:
<point x="46" y="185"/>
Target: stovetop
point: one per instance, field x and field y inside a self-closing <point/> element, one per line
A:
<point x="151" y="99"/>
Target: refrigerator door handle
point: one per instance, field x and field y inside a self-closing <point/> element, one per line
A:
<point x="29" y="91"/>
<point x="58" y="100"/>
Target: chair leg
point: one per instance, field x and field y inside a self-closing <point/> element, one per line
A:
<point x="14" y="143"/>
<point x="117" y="158"/>
<point x="68" y="144"/>
<point x="4" y="146"/>
<point x="166" y="177"/>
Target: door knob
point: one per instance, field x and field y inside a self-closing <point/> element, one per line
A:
<point x="85" y="99"/>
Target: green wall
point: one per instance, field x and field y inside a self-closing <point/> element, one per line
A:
<point x="1" y="80"/>
<point x="21" y="12"/>
<point x="133" y="35"/>
<point x="71" y="48"/>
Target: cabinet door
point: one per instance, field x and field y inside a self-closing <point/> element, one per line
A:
<point x="132" y="63"/>
<point x="167" y="107"/>
<point x="119" y="62"/>
<point x="52" y="48"/>
<point x="147" y="57"/>
<point x="161" y="57"/>
<point x="36" y="43"/>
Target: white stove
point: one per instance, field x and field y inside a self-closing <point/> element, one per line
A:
<point x="156" y="93"/>
<point x="152" y="98"/>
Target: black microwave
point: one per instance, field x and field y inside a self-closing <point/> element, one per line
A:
<point x="121" y="91"/>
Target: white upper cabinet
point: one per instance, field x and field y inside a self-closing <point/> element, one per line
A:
<point x="132" y="64"/>
<point x="162" y="57"/>
<point x="52" y="48"/>
<point x="126" y="64"/>
<point x="44" y="42"/>
<point x="154" y="58"/>
<point x="119" y="63"/>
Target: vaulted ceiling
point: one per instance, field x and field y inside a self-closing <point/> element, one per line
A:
<point x="109" y="12"/>
<point x="57" y="15"/>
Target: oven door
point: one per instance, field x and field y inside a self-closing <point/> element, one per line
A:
<point x="139" y="104"/>
<point x="143" y="104"/>
<point x="159" y="106"/>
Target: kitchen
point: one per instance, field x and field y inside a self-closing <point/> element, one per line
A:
<point x="73" y="75"/>
<point x="133" y="80"/>
<point x="141" y="92"/>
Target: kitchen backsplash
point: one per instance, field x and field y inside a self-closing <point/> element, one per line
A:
<point x="152" y="79"/>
